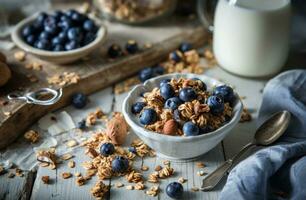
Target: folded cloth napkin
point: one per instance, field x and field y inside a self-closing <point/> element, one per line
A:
<point x="279" y="171"/>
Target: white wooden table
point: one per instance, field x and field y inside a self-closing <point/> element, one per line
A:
<point x="20" y="187"/>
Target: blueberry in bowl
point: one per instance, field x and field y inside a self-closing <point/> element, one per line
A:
<point x="197" y="118"/>
<point x="60" y="36"/>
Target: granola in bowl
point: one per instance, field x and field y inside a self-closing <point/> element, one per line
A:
<point x="182" y="116"/>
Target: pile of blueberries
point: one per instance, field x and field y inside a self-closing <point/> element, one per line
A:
<point x="60" y="31"/>
<point x="220" y="95"/>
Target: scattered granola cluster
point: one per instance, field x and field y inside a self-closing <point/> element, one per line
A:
<point x="185" y="107"/>
<point x="64" y="79"/>
<point x="134" y="11"/>
<point x="32" y="136"/>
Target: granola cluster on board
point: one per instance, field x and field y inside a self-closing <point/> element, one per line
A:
<point x="185" y="107"/>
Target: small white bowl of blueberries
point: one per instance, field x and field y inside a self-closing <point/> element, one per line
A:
<point x="182" y="116"/>
<point x="60" y="37"/>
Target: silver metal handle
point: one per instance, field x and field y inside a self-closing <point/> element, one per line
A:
<point x="33" y="97"/>
<point x="214" y="178"/>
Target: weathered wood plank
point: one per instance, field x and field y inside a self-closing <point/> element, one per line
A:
<point x="17" y="187"/>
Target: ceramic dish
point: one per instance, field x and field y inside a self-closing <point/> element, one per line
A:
<point x="178" y="147"/>
<point x="61" y="57"/>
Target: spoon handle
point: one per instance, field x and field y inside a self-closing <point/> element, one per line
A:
<point x="212" y="180"/>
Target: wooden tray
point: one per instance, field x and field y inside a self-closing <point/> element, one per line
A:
<point x="96" y="72"/>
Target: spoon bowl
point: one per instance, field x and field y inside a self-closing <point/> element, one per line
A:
<point x="273" y="128"/>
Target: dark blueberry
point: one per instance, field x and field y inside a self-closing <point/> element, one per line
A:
<point x="58" y="14"/>
<point x="120" y="164"/>
<point x="71" y="45"/>
<point x="137" y="107"/>
<point x="43" y="44"/>
<point x="107" y="149"/>
<point x="78" y="17"/>
<point x="27" y="31"/>
<point x="173" y="103"/>
<point x="50" y="20"/>
<point x="79" y="100"/>
<point x="205" y="129"/>
<point x="203" y="85"/>
<point x="177" y="117"/>
<point x="31" y="40"/>
<point x="190" y="129"/>
<point x="51" y="28"/>
<point x="114" y="51"/>
<point x="82" y="124"/>
<point x="89" y="37"/>
<point x="175" y="56"/>
<point x="215" y="104"/>
<point x="164" y="81"/>
<point x="44" y="35"/>
<point x="58" y="47"/>
<point x="167" y="91"/>
<point x="70" y="12"/>
<point x="187" y="94"/>
<point x="74" y="34"/>
<point x="62" y="35"/>
<point x="132" y="150"/>
<point x="145" y="74"/>
<point x="38" y="27"/>
<point x="41" y="17"/>
<point x="57" y="40"/>
<point x="148" y="116"/>
<point x="175" y="190"/>
<point x="226" y="92"/>
<point x="89" y="25"/>
<point x="65" y="24"/>
<point x="158" y="70"/>
<point x="131" y="47"/>
<point x="185" y="47"/>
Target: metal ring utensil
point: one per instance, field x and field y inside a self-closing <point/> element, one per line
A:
<point x="32" y="97"/>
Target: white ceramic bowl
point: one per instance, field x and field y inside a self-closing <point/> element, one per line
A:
<point x="177" y="147"/>
<point x="61" y="57"/>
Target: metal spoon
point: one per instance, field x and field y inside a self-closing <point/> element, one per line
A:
<point x="266" y="134"/>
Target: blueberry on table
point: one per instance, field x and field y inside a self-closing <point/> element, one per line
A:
<point x="137" y="107"/>
<point x="185" y="47"/>
<point x="81" y="124"/>
<point x="27" y="31"/>
<point x="107" y="149"/>
<point x="145" y="74"/>
<point x="89" y="25"/>
<point x="164" y="81"/>
<point x="190" y="129"/>
<point x="148" y="116"/>
<point x="74" y="33"/>
<point x="167" y="91"/>
<point x="175" y="190"/>
<point x="215" y="104"/>
<point x="187" y="94"/>
<point x="120" y="164"/>
<point x="114" y="51"/>
<point x="158" y="70"/>
<point x="43" y="44"/>
<point x="202" y="84"/>
<point x="131" y="47"/>
<point x="79" y="100"/>
<point x="226" y="92"/>
<point x="175" y="56"/>
<point x="173" y="103"/>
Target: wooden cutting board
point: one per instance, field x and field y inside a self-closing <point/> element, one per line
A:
<point x="96" y="72"/>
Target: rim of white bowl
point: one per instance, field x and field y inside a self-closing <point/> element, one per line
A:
<point x="157" y="136"/>
<point x="19" y="41"/>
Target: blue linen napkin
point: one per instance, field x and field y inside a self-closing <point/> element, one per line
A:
<point x="279" y="171"/>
